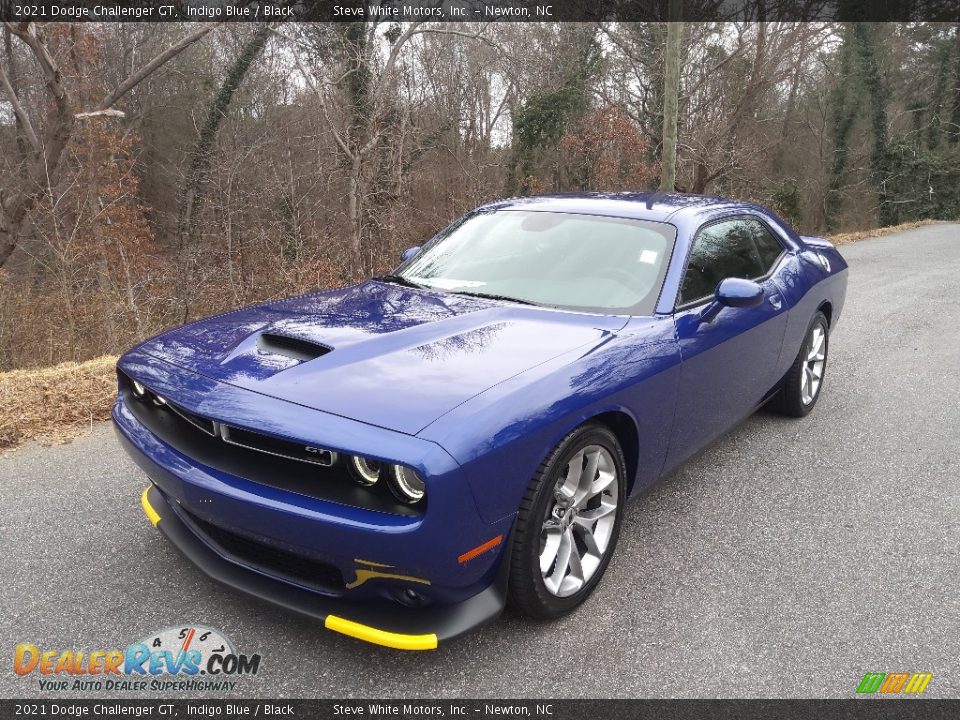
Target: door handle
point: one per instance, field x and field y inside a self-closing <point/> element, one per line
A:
<point x="776" y="301"/>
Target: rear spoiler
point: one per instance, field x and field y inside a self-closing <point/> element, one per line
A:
<point x="817" y="242"/>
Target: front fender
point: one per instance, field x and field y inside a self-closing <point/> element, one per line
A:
<point x="501" y="436"/>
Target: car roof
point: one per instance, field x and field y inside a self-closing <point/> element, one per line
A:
<point x="655" y="206"/>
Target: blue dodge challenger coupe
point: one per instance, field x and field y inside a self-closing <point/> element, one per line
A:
<point x="402" y="457"/>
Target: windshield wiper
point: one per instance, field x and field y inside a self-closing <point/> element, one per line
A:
<point x="398" y="280"/>
<point x="491" y="296"/>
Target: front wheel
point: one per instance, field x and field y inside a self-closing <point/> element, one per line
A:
<point x="801" y="389"/>
<point x="568" y="523"/>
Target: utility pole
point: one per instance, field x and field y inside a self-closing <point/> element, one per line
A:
<point x="671" y="96"/>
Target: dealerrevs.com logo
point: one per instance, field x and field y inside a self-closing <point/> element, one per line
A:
<point x="174" y="659"/>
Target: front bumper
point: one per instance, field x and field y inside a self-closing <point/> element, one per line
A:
<point x="362" y="570"/>
<point x="390" y="626"/>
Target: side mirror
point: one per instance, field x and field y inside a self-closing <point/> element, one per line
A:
<point x="733" y="292"/>
<point x="409" y="253"/>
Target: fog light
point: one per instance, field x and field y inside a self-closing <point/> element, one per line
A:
<point x="364" y="471"/>
<point x="159" y="400"/>
<point x="139" y="390"/>
<point x="407" y="486"/>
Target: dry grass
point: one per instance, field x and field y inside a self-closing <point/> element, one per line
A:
<point x="55" y="404"/>
<point x="850" y="237"/>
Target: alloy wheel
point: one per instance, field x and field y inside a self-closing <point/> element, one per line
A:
<point x="579" y="521"/>
<point x="813" y="364"/>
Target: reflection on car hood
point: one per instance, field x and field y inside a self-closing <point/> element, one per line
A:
<point x="388" y="355"/>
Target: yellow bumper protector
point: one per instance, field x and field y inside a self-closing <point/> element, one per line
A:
<point x="148" y="508"/>
<point x="398" y="641"/>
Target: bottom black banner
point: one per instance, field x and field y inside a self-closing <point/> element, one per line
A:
<point x="853" y="709"/>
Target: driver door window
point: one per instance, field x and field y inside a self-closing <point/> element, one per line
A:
<point x="722" y="250"/>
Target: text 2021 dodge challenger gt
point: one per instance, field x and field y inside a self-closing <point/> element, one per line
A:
<point x="403" y="456"/>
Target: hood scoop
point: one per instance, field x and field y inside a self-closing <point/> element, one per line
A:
<point x="291" y="347"/>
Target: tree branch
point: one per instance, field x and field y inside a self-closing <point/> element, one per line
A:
<point x="140" y="75"/>
<point x="19" y="111"/>
<point x="51" y="71"/>
<point x="311" y="81"/>
<point x="59" y="125"/>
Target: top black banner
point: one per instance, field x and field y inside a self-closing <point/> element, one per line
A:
<point x="479" y="10"/>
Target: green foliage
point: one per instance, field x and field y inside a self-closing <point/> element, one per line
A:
<point x="867" y="43"/>
<point x="218" y="108"/>
<point x="953" y="133"/>
<point x="844" y="107"/>
<point x="786" y="201"/>
<point x="860" y="72"/>
<point x="286" y="211"/>
<point x="190" y="192"/>
<point x="539" y="125"/>
<point x="916" y="174"/>
<point x="939" y="95"/>
<point x="543" y="119"/>
<point x="925" y="181"/>
<point x="358" y="79"/>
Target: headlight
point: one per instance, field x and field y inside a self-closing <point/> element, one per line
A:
<point x="159" y="400"/>
<point x="138" y="390"/>
<point x="365" y="472"/>
<point x="407" y="486"/>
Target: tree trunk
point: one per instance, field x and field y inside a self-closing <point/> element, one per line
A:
<point x="954" y="132"/>
<point x="43" y="163"/>
<point x="879" y="155"/>
<point x="192" y="190"/>
<point x="778" y="155"/>
<point x="843" y="115"/>
<point x="354" y="210"/>
<point x="671" y="98"/>
<point x="13" y="77"/>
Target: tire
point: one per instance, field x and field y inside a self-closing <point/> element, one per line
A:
<point x="795" y="397"/>
<point x="571" y="519"/>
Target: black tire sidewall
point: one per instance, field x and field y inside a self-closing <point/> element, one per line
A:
<point x="540" y="601"/>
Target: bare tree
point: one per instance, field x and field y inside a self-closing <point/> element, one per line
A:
<point x="370" y="84"/>
<point x="203" y="148"/>
<point x="17" y="201"/>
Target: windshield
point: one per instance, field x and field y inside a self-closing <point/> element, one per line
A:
<point x="564" y="260"/>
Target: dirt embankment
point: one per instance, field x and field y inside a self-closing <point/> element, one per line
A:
<point x="55" y="404"/>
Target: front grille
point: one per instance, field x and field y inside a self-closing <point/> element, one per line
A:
<point x="284" y="464"/>
<point x="275" y="446"/>
<point x="208" y="426"/>
<point x="268" y="559"/>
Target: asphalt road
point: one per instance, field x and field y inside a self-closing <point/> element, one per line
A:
<point x="785" y="561"/>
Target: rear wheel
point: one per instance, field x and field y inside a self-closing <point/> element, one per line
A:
<point x="568" y="523"/>
<point x="803" y="383"/>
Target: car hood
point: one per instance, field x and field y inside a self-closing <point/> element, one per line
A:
<point x="379" y="353"/>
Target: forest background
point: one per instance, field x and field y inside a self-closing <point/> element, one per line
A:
<point x="151" y="174"/>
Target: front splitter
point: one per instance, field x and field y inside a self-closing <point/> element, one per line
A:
<point x="386" y="624"/>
